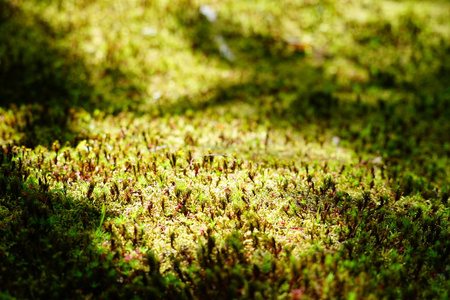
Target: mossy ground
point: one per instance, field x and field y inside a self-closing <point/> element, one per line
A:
<point x="140" y="160"/>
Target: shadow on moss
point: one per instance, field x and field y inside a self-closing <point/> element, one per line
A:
<point x="37" y="73"/>
<point x="407" y="127"/>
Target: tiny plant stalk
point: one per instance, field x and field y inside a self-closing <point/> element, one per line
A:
<point x="318" y="215"/>
<point x="102" y="218"/>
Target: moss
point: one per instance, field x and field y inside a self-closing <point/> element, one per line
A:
<point x="138" y="161"/>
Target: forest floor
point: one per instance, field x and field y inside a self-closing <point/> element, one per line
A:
<point x="237" y="150"/>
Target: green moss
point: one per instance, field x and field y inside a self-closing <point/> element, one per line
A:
<point x="139" y="161"/>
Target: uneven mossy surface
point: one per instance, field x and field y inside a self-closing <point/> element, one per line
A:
<point x="139" y="160"/>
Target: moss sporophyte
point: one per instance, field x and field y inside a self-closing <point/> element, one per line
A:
<point x="138" y="159"/>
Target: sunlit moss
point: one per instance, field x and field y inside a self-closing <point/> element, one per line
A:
<point x="137" y="161"/>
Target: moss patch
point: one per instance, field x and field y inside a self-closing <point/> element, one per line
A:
<point x="140" y="159"/>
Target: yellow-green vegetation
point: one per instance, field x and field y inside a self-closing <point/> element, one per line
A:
<point x="240" y="150"/>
